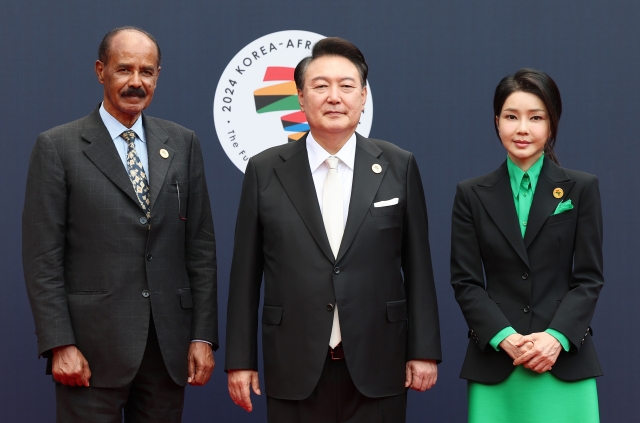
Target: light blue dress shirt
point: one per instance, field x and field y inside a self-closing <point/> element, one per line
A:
<point x="115" y="128"/>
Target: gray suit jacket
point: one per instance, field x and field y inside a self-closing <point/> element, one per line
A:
<point x="90" y="257"/>
<point x="382" y="279"/>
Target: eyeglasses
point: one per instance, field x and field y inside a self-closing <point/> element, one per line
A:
<point x="179" y="208"/>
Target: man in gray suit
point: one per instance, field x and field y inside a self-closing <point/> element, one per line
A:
<point x="119" y="250"/>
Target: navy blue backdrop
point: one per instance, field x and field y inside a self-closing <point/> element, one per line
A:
<point x="434" y="66"/>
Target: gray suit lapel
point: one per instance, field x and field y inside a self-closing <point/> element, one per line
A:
<point x="364" y="188"/>
<point x="102" y="152"/>
<point x="158" y="166"/>
<point x="496" y="196"/>
<point x="295" y="176"/>
<point x="544" y="203"/>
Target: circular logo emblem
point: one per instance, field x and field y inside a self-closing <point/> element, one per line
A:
<point x="256" y="103"/>
<point x="558" y="192"/>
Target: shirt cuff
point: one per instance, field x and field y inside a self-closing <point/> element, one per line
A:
<point x="202" y="340"/>
<point x="566" y="345"/>
<point x="500" y="336"/>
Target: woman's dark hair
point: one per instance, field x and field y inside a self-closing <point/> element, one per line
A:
<point x="333" y="46"/>
<point x="542" y="86"/>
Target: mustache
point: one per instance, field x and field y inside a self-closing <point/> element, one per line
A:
<point x="134" y="92"/>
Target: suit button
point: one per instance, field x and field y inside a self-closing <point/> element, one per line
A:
<point x="143" y="220"/>
<point x="149" y="257"/>
<point x="336" y="270"/>
<point x="526" y="309"/>
<point x="329" y="307"/>
<point x="525" y="276"/>
<point x="145" y="293"/>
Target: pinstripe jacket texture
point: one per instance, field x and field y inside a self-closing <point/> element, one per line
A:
<point x="96" y="270"/>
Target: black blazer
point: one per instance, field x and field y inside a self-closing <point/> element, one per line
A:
<point x="551" y="279"/>
<point x="89" y="254"/>
<point x="385" y="318"/>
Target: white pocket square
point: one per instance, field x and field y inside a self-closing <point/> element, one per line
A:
<point x="386" y="203"/>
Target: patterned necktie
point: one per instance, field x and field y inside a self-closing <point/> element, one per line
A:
<point x="136" y="172"/>
<point x="332" y="211"/>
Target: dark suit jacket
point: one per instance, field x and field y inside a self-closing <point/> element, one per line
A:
<point x="89" y="254"/>
<point x="551" y="279"/>
<point x="385" y="318"/>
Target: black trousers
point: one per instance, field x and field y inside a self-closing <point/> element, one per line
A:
<point x="152" y="396"/>
<point x="337" y="400"/>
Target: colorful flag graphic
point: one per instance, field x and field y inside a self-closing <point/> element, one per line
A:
<point x="282" y="97"/>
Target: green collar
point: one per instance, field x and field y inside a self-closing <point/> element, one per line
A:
<point x="516" y="174"/>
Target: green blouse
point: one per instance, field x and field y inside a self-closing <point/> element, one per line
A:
<point x="523" y="185"/>
<point x="525" y="396"/>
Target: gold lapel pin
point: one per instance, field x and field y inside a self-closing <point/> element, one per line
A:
<point x="376" y="168"/>
<point x="558" y="192"/>
<point x="164" y="153"/>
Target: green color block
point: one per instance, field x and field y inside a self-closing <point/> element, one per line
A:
<point x="287" y="103"/>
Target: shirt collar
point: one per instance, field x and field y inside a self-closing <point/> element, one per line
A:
<point x="115" y="128"/>
<point x="317" y="154"/>
<point x="516" y="174"/>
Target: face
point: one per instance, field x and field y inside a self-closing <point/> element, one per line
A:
<point x="523" y="126"/>
<point x="332" y="97"/>
<point x="130" y="75"/>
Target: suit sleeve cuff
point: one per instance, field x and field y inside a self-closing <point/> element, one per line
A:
<point x="564" y="341"/>
<point x="500" y="336"/>
<point x="202" y="340"/>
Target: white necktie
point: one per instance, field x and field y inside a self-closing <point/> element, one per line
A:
<point x="333" y="224"/>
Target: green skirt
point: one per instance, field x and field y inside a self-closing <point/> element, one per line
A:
<point x="529" y="397"/>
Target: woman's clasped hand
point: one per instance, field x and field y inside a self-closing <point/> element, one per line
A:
<point x="537" y="351"/>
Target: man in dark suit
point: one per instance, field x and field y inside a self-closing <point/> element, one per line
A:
<point x="119" y="250"/>
<point x="337" y="224"/>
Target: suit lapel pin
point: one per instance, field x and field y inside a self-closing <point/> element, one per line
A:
<point x="376" y="168"/>
<point x="164" y="153"/>
<point x="558" y="192"/>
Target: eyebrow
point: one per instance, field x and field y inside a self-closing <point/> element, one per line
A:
<point x="129" y="65"/>
<point x="345" y="78"/>
<point x="530" y="110"/>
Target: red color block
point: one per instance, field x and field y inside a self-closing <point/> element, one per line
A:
<point x="297" y="117"/>
<point x="278" y="73"/>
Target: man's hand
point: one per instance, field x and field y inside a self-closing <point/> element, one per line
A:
<point x="239" y="382"/>
<point x="201" y="363"/>
<point x="421" y="374"/>
<point x="543" y="355"/>
<point x="511" y="345"/>
<point x="69" y="366"/>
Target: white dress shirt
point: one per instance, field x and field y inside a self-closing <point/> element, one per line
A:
<point x="319" y="169"/>
<point x="115" y="128"/>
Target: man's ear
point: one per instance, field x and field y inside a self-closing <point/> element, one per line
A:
<point x="364" y="97"/>
<point x="301" y="99"/>
<point x="99" y="71"/>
